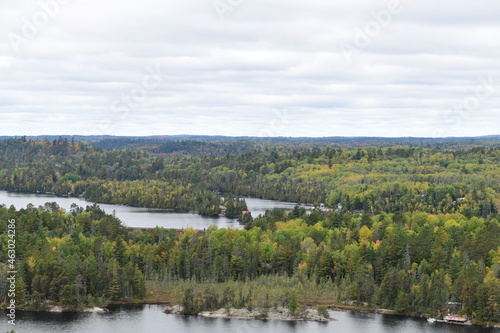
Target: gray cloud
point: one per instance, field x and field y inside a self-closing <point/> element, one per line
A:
<point x="90" y="69"/>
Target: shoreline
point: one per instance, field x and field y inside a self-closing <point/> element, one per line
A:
<point x="243" y="314"/>
<point x="61" y="309"/>
<point x="94" y="309"/>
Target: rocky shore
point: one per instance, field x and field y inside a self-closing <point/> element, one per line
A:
<point x="280" y="313"/>
<point x="56" y="308"/>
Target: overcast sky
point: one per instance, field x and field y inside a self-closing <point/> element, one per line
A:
<point x="250" y="67"/>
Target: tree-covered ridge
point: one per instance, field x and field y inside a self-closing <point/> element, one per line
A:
<point x="412" y="262"/>
<point x="240" y="144"/>
<point x="76" y="260"/>
<point x="377" y="180"/>
<point x="176" y="147"/>
<point x="372" y="180"/>
<point x="108" y="176"/>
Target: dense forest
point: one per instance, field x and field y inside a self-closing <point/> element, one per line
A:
<point x="369" y="180"/>
<point x="75" y="259"/>
<point x="408" y="227"/>
<point x="410" y="262"/>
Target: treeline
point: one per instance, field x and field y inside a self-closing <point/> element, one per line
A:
<point x="242" y="143"/>
<point x="370" y="180"/>
<point x="160" y="194"/>
<point x="409" y="262"/>
<point x="176" y="147"/>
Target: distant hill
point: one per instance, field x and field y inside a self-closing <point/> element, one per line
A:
<point x="216" y="145"/>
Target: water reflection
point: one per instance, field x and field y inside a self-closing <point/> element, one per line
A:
<point x="150" y="318"/>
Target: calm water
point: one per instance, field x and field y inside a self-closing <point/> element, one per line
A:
<point x="145" y="217"/>
<point x="150" y="318"/>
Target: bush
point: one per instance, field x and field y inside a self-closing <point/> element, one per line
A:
<point x="323" y="311"/>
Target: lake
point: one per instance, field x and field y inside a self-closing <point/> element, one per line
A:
<point x="145" y="217"/>
<point x="150" y="318"/>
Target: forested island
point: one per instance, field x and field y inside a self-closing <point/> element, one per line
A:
<point x="402" y="224"/>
